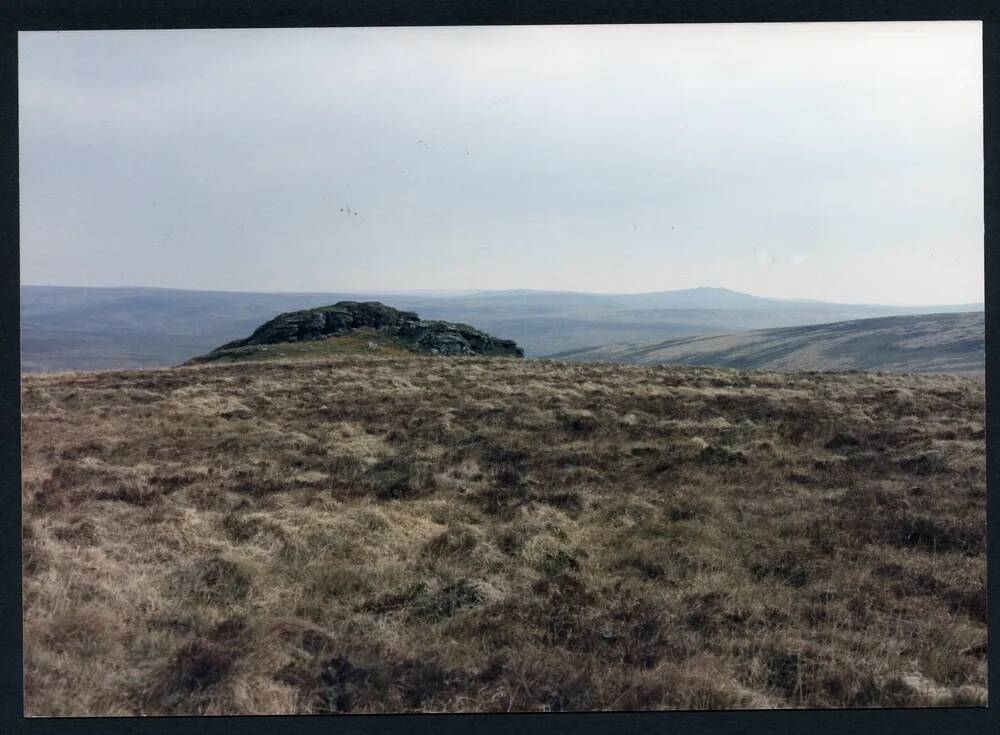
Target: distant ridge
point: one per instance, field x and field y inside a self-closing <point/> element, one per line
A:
<point x="75" y="328"/>
<point x="715" y="297"/>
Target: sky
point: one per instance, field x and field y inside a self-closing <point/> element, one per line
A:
<point x="840" y="162"/>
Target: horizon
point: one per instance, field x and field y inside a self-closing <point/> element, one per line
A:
<point x="843" y="160"/>
<point x="445" y="293"/>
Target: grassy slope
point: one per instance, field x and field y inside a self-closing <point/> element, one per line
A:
<point x="929" y="343"/>
<point x="357" y="341"/>
<point x="373" y="533"/>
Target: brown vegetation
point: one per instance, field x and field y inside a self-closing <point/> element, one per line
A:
<point x="379" y="533"/>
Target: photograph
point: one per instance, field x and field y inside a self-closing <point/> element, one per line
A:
<point x="502" y="368"/>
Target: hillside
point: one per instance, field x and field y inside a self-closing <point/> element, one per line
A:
<point x="66" y="328"/>
<point x="353" y="325"/>
<point x="933" y="343"/>
<point x="378" y="533"/>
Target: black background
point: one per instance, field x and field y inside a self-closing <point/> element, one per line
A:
<point x="111" y="14"/>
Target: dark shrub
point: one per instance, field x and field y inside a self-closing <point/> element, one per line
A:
<point x="842" y="441"/>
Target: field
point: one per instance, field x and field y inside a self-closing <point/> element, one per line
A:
<point x="387" y="533"/>
<point x="929" y="343"/>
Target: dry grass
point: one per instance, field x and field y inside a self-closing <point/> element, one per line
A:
<point x="373" y="534"/>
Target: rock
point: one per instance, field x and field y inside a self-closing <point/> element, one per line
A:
<point x="435" y="337"/>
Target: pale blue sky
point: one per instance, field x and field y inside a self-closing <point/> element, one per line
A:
<point x="840" y="162"/>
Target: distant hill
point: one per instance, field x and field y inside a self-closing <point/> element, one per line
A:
<point x="932" y="343"/>
<point x="351" y="326"/>
<point x="68" y="328"/>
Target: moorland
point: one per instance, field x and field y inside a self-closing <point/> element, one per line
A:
<point x="389" y="532"/>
